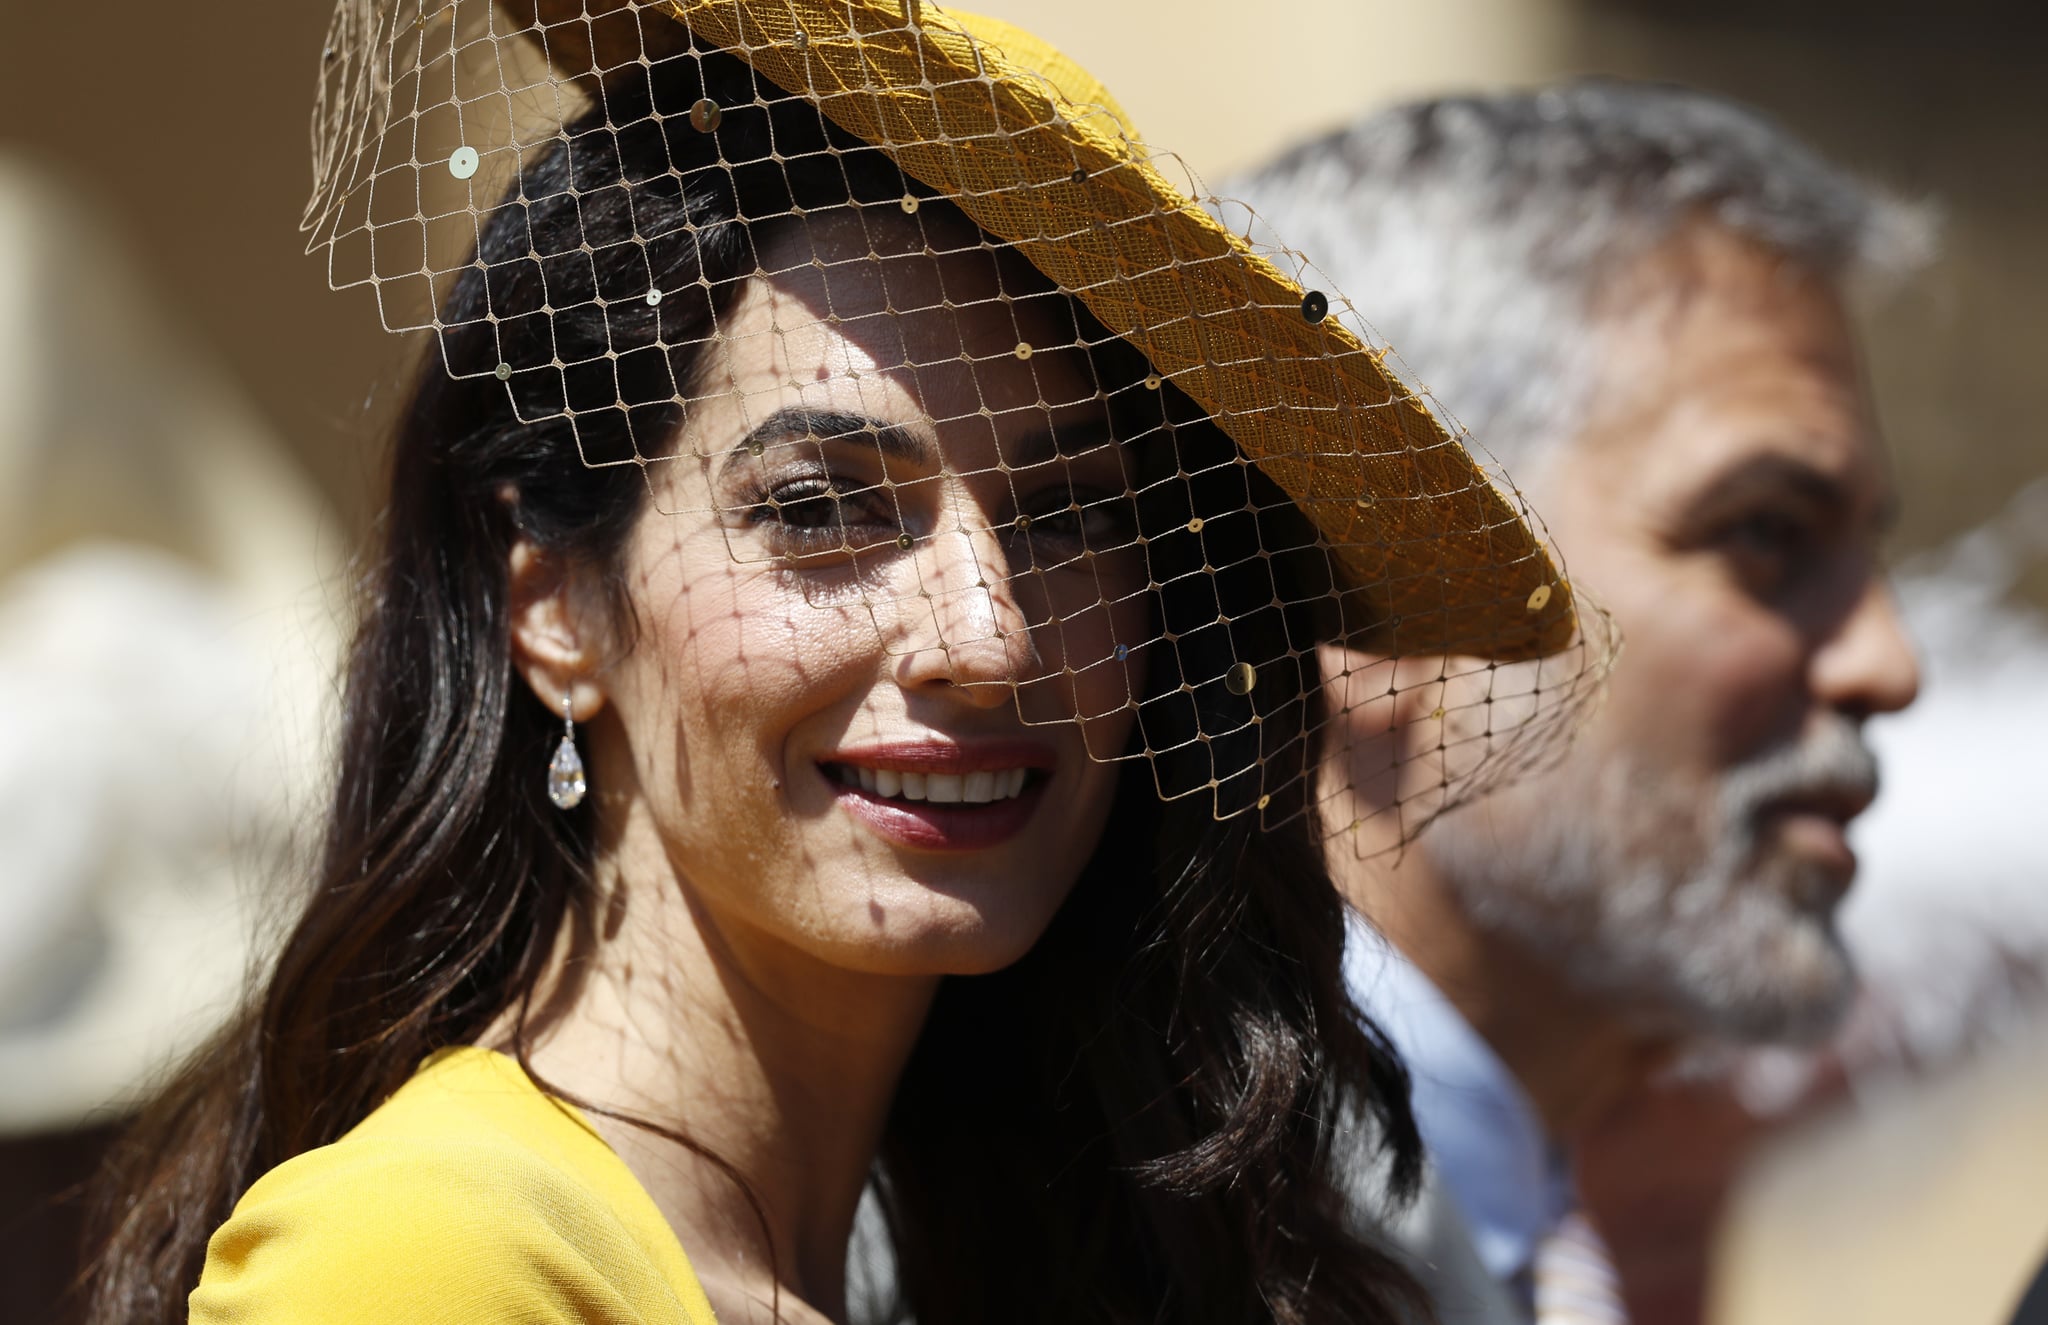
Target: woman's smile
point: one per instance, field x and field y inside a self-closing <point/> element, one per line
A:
<point x="880" y="591"/>
<point x="937" y="795"/>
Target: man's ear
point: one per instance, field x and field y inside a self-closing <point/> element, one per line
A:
<point x="557" y="633"/>
<point x="1386" y="749"/>
<point x="1378" y="695"/>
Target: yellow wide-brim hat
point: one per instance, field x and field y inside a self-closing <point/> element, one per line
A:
<point x="1040" y="155"/>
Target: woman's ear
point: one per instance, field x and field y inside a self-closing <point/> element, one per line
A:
<point x="557" y="634"/>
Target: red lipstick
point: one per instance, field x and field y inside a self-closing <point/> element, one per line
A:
<point x="941" y="795"/>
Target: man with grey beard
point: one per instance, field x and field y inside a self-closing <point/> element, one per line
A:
<point x="1637" y="298"/>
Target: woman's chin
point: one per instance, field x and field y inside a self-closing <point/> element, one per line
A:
<point x="915" y="930"/>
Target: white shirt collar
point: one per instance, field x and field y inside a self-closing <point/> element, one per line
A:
<point x="1481" y="1132"/>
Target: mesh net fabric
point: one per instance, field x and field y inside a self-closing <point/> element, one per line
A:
<point x="1278" y="485"/>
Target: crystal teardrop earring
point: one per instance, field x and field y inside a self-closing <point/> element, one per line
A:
<point x="565" y="771"/>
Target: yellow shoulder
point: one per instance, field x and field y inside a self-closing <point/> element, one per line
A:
<point x="443" y="1226"/>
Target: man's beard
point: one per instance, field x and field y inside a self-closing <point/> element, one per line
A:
<point x="1667" y="900"/>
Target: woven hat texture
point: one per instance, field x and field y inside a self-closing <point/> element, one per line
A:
<point x="430" y="110"/>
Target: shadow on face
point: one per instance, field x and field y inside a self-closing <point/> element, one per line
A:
<point x="879" y="598"/>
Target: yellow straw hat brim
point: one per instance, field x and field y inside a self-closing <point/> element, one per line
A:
<point x="1038" y="154"/>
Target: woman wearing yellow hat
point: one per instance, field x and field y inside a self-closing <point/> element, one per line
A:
<point x="832" y="715"/>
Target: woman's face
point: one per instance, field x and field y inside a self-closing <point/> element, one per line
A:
<point x="879" y="597"/>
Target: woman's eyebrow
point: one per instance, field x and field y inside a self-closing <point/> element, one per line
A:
<point x="798" y="423"/>
<point x="1065" y="439"/>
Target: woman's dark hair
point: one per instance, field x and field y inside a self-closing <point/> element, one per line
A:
<point x="1134" y="1123"/>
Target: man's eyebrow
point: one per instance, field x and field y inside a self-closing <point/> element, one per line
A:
<point x="1064" y="439"/>
<point x="798" y="423"/>
<point x="1772" y="476"/>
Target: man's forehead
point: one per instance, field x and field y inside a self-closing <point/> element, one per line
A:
<point x="1737" y="365"/>
<point x="1728" y="449"/>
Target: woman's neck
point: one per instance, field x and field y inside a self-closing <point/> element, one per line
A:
<point x="774" y="1062"/>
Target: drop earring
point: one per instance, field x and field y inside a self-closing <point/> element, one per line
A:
<point x="565" y="771"/>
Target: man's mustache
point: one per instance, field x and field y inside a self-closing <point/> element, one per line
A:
<point x="1830" y="767"/>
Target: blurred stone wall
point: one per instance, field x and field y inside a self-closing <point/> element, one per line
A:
<point x="190" y="128"/>
<point x="187" y="129"/>
<point x="1948" y="103"/>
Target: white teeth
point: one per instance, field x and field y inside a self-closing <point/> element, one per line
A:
<point x="976" y="788"/>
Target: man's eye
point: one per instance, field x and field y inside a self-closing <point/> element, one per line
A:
<point x="1770" y="531"/>
<point x="1767" y="548"/>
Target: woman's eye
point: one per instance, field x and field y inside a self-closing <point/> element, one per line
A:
<point x="1069" y="523"/>
<point x="807" y="505"/>
<point x="812" y="515"/>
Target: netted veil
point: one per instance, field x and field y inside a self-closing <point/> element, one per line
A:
<point x="1278" y="466"/>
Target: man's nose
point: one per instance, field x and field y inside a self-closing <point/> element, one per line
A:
<point x="963" y="623"/>
<point x="1868" y="665"/>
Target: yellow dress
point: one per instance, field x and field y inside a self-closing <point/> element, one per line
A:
<point x="469" y="1196"/>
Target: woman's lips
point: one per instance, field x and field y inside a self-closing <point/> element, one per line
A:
<point x="937" y="796"/>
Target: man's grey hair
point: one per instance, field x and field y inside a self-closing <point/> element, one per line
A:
<point x="1475" y="232"/>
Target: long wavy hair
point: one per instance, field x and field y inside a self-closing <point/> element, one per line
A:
<point x="1135" y="1123"/>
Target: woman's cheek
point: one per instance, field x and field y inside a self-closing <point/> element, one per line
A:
<point x="771" y="655"/>
<point x="1108" y="686"/>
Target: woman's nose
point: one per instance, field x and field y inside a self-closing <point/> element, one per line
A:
<point x="963" y="623"/>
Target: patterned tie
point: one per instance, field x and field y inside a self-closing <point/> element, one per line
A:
<point x="1574" y="1277"/>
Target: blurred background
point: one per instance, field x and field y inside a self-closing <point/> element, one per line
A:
<point x="190" y="427"/>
